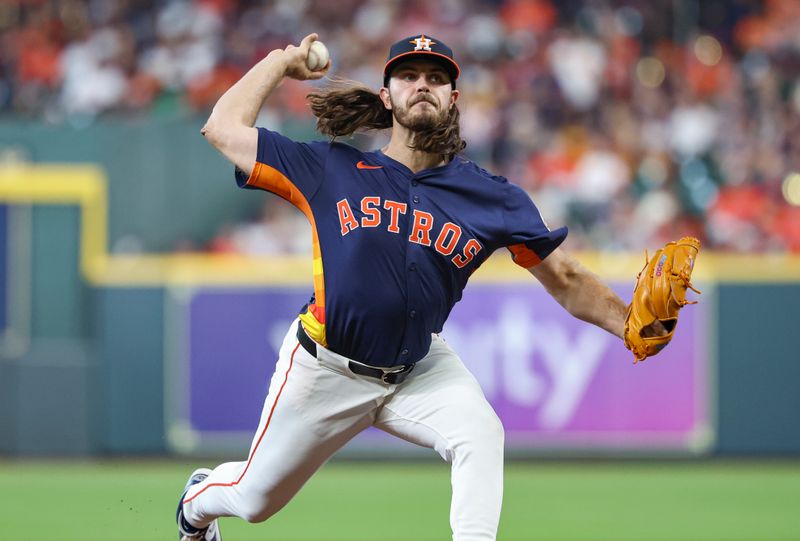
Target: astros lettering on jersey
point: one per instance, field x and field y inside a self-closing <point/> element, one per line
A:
<point x="393" y="250"/>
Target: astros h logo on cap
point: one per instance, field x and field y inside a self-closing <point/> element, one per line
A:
<point x="421" y="46"/>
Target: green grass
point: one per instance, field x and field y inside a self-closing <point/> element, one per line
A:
<point x="647" y="501"/>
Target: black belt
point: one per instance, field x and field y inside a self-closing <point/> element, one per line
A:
<point x="391" y="377"/>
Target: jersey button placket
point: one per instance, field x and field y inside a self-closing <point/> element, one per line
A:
<point x="413" y="285"/>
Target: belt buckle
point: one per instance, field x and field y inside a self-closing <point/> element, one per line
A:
<point x="387" y="375"/>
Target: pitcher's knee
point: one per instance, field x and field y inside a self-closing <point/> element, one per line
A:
<point x="494" y="433"/>
<point x="485" y="435"/>
<point x="253" y="514"/>
<point x="258" y="509"/>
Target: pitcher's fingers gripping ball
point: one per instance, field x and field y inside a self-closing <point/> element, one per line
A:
<point x="659" y="295"/>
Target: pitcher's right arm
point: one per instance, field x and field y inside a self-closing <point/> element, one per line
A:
<point x="230" y="126"/>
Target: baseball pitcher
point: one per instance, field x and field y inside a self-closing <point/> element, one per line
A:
<point x="397" y="232"/>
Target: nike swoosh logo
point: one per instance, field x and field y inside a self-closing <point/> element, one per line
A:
<point x="362" y="165"/>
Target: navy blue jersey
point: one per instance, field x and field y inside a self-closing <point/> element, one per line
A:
<point x="393" y="249"/>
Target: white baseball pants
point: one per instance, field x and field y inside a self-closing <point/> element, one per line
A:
<point x="315" y="406"/>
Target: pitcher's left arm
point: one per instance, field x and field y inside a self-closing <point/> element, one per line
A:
<point x="581" y="292"/>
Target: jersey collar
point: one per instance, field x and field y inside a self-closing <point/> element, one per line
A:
<point x="394" y="164"/>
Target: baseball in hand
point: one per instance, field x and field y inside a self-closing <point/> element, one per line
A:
<point x="317" y="56"/>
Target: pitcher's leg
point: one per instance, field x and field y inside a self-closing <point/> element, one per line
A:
<point x="443" y="407"/>
<point x="300" y="428"/>
<point x="258" y="488"/>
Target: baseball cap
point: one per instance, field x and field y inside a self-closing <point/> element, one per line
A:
<point x="421" y="46"/>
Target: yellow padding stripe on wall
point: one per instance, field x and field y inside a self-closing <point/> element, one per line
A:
<point x="86" y="187"/>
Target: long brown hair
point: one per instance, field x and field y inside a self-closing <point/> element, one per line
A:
<point x="348" y="106"/>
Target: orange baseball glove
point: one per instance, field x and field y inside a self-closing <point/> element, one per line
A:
<point x="659" y="294"/>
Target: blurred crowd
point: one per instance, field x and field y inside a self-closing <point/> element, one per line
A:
<point x="632" y="121"/>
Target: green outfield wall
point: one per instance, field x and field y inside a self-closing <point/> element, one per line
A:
<point x="86" y="337"/>
<point x="166" y="185"/>
<point x="103" y="392"/>
<point x="758" y="368"/>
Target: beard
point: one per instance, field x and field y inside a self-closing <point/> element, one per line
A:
<point x="419" y="118"/>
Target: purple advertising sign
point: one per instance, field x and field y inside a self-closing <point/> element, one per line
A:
<point x="553" y="380"/>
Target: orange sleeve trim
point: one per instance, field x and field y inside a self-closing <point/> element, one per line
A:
<point x="269" y="178"/>
<point x="524" y="256"/>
